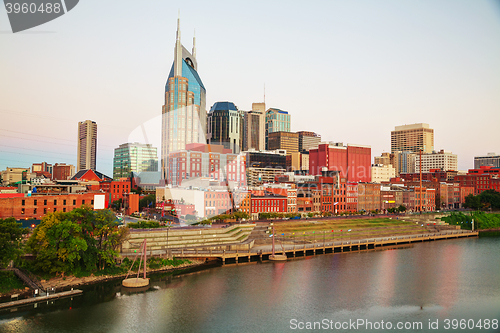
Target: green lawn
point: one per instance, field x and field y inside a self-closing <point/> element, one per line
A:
<point x="360" y="228"/>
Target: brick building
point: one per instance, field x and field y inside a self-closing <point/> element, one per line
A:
<point x="352" y="161"/>
<point x="368" y="197"/>
<point x="268" y="204"/>
<point x="38" y="206"/>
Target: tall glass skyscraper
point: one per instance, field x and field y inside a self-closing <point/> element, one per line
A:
<point x="134" y="157"/>
<point x="276" y="121"/>
<point x="225" y="126"/>
<point x="184" y="115"/>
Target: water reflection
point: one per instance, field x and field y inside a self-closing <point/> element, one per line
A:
<point x="444" y="279"/>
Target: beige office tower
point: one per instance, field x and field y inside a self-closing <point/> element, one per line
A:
<point x="87" y="145"/>
<point x="413" y="138"/>
<point x="256" y="129"/>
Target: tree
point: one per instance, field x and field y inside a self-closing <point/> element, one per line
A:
<point x="473" y="202"/>
<point x="401" y="208"/>
<point x="108" y="237"/>
<point x="117" y="204"/>
<point x="147" y="201"/>
<point x="10" y="240"/>
<point x="490" y="199"/>
<point x="79" y="240"/>
<point x="56" y="244"/>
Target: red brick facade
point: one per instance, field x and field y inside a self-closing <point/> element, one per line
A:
<point x="37" y="206"/>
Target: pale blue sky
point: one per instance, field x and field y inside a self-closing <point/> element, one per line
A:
<point x="348" y="70"/>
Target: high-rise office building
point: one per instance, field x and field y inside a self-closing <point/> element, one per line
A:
<point x="276" y="121"/>
<point x="184" y="114"/>
<point x="254" y="128"/>
<point x="87" y="145"/>
<point x="444" y="160"/>
<point x="308" y="140"/>
<point x="492" y="159"/>
<point x="284" y="140"/>
<point x="134" y="157"/>
<point x="413" y="138"/>
<point x="251" y="131"/>
<point x="404" y="162"/>
<point x="225" y="126"/>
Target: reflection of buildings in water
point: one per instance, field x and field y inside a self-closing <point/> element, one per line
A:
<point x="386" y="276"/>
<point x="449" y="273"/>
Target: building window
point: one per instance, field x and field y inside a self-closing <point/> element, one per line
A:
<point x="34" y="211"/>
<point x="34" y="202"/>
<point x="64" y="209"/>
<point x="45" y="210"/>
<point x="64" y="202"/>
<point x="91" y="202"/>
<point x="45" y="202"/>
<point x="55" y="202"/>
<point x="74" y="202"/>
<point x="23" y="203"/>
<point x="22" y="210"/>
<point x="83" y="202"/>
<point x="55" y="209"/>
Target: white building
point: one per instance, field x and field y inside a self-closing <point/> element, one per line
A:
<point x="382" y="173"/>
<point x="442" y="159"/>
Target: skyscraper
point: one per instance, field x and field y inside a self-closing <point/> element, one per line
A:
<point x="283" y="140"/>
<point x="413" y="138"/>
<point x="87" y="145"/>
<point x="134" y="157"/>
<point x="308" y="140"/>
<point x="184" y="115"/>
<point x="276" y="121"/>
<point x="251" y="131"/>
<point x="225" y="126"/>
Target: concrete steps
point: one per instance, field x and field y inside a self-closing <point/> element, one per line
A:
<point x="259" y="234"/>
<point x="188" y="238"/>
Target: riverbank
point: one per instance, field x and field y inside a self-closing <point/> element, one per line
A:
<point x="59" y="283"/>
<point x="63" y="283"/>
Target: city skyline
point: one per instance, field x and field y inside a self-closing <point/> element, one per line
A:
<point x="351" y="74"/>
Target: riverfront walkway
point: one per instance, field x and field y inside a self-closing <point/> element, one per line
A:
<point x="262" y="252"/>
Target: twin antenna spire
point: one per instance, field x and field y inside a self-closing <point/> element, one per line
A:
<point x="178" y="36"/>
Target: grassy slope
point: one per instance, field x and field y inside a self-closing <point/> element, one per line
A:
<point x="9" y="282"/>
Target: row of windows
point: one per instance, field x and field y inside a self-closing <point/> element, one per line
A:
<point x="267" y="203"/>
<point x="35" y="202"/>
<point x="45" y="210"/>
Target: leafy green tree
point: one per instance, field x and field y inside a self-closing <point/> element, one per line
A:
<point x="81" y="240"/>
<point x="147" y="201"/>
<point x="241" y="215"/>
<point x="473" y="202"/>
<point x="401" y="208"/>
<point x="490" y="199"/>
<point x="10" y="240"/>
<point x="117" y="204"/>
<point x="57" y="244"/>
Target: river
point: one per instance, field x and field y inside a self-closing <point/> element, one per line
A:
<point x="429" y="283"/>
